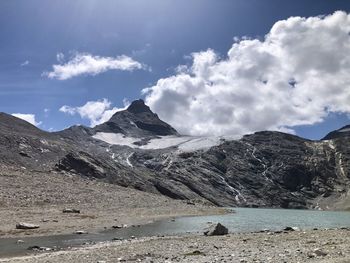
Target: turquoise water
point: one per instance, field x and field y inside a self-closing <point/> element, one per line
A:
<point x="255" y="219"/>
<point x="242" y="220"/>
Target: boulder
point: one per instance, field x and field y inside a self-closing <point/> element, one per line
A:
<point x="26" y="226"/>
<point x="290" y="228"/>
<point x="216" y="230"/>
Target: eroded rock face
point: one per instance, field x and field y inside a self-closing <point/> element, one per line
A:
<point x="82" y="163"/>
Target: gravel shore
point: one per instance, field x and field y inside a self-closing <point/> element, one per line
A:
<point x="40" y="198"/>
<point x="325" y="246"/>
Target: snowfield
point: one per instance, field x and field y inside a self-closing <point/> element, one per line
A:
<point x="183" y="143"/>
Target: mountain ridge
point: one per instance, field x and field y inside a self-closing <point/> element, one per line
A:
<point x="264" y="169"/>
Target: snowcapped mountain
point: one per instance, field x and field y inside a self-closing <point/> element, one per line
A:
<point x="137" y="149"/>
<point x="139" y="128"/>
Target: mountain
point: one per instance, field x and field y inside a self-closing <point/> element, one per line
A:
<point x="340" y="133"/>
<point x="136" y="149"/>
<point x="136" y="121"/>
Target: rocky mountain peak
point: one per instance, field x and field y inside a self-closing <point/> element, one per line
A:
<point x="138" y="121"/>
<point x="138" y="106"/>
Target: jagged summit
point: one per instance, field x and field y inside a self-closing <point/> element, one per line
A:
<point x="138" y="106"/>
<point x="137" y="121"/>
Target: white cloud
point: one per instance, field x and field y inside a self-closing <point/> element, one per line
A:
<point x="296" y="75"/>
<point x="87" y="64"/>
<point x="25" y="63"/>
<point x="96" y="112"/>
<point x="27" y="117"/>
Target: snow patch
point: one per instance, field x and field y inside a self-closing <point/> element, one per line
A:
<point x="165" y="142"/>
<point x="116" y="138"/>
<point x="198" y="143"/>
<point x="183" y="143"/>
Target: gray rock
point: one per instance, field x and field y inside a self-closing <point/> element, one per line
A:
<point x="81" y="232"/>
<point x="71" y="210"/>
<point x="289" y="228"/>
<point x="319" y="252"/>
<point x="26" y="226"/>
<point x="216" y="230"/>
<point x="38" y="248"/>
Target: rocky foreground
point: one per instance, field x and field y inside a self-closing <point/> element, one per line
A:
<point x="288" y="246"/>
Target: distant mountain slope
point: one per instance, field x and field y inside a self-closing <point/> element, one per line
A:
<point x="340" y="133"/>
<point x="136" y="149"/>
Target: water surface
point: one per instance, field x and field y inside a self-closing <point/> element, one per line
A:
<point x="242" y="220"/>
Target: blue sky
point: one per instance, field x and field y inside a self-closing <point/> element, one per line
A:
<point x="160" y="35"/>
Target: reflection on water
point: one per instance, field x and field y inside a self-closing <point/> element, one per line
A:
<point x="243" y="220"/>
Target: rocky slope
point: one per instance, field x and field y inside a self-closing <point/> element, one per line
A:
<point x="136" y="149"/>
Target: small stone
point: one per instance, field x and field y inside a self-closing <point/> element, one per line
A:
<point x="38" y="248"/>
<point x="319" y="252"/>
<point x="81" y="232"/>
<point x="264" y="230"/>
<point x="26" y="226"/>
<point x="71" y="210"/>
<point x="310" y="242"/>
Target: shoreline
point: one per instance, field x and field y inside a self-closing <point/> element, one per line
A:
<point x="95" y="225"/>
<point x="323" y="245"/>
<point x="40" y="198"/>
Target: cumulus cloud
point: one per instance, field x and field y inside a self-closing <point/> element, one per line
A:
<point x="87" y="64"/>
<point x="27" y="117"/>
<point x="296" y="75"/>
<point x="96" y="112"/>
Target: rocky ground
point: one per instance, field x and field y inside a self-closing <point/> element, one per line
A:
<point x="297" y="246"/>
<point x="39" y="198"/>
